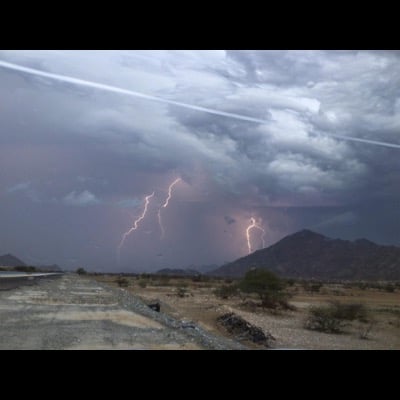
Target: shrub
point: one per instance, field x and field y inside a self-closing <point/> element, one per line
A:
<point x="181" y="291"/>
<point x="268" y="286"/>
<point x="142" y="283"/>
<point x="122" y="282"/>
<point x="226" y="291"/>
<point x="390" y="288"/>
<point x="350" y="312"/>
<point x="81" y="271"/>
<point x="366" y="330"/>
<point x="200" y="278"/>
<point x="323" y="319"/>
<point x="315" y="287"/>
<point x="332" y="318"/>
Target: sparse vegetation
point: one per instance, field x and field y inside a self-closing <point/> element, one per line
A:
<point x="181" y="291"/>
<point x="122" y="282"/>
<point x="334" y="317"/>
<point x="366" y="330"/>
<point x="323" y="319"/>
<point x="350" y="311"/>
<point x="201" y="278"/>
<point x="226" y="291"/>
<point x="25" y="268"/>
<point x="390" y="288"/>
<point x="374" y="315"/>
<point x="267" y="286"/>
<point x="142" y="283"/>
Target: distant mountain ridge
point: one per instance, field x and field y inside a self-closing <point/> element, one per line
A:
<point x="8" y="260"/>
<point x="310" y="255"/>
<point x="177" y="272"/>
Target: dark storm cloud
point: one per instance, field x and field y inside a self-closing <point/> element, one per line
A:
<point x="81" y="160"/>
<point x="229" y="220"/>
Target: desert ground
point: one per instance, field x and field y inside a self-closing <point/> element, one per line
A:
<point x="75" y="312"/>
<point x="194" y="299"/>
<point x="100" y="311"/>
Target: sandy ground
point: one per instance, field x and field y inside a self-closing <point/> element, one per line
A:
<point x="73" y="312"/>
<point x="203" y="307"/>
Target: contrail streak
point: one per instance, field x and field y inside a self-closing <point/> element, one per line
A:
<point x="165" y="205"/>
<point x="135" y="224"/>
<point x="115" y="89"/>
<point x="249" y="228"/>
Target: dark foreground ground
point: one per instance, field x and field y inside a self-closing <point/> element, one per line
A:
<point x="73" y="312"/>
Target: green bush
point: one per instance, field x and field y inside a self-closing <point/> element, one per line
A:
<point x="201" y="278"/>
<point x="142" y="283"/>
<point x="390" y="288"/>
<point x="350" y="311"/>
<point x="323" y="319"/>
<point x="268" y="286"/>
<point x="122" y="282"/>
<point x="333" y="318"/>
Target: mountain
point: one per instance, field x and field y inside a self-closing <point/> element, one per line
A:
<point x="8" y="260"/>
<point x="177" y="272"/>
<point x="310" y="255"/>
<point x="203" y="269"/>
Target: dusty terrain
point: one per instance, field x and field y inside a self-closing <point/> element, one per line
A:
<point x="200" y="305"/>
<point x="94" y="312"/>
<point x="74" y="312"/>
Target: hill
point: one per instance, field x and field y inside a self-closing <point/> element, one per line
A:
<point x="177" y="272"/>
<point x="8" y="260"/>
<point x="310" y="255"/>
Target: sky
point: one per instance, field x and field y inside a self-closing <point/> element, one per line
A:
<point x="293" y="139"/>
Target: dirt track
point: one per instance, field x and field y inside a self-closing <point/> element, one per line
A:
<point x="73" y="312"/>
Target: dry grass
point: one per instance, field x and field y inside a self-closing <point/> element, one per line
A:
<point x="200" y="304"/>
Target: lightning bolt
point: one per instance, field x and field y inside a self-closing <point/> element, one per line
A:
<point x="135" y="224"/>
<point x="254" y="224"/>
<point x="160" y="223"/>
<point x="165" y="205"/>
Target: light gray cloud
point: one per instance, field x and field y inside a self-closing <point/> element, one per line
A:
<point x="84" y="198"/>
<point x="19" y="187"/>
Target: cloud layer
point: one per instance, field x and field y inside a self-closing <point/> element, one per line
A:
<point x="79" y="161"/>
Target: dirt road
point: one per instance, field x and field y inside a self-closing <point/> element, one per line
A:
<point x="73" y="312"/>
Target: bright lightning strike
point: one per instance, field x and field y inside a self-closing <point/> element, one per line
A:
<point x="165" y="205"/>
<point x="135" y="224"/>
<point x="253" y="225"/>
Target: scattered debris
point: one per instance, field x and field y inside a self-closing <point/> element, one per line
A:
<point x="243" y="330"/>
<point x="187" y="325"/>
<point x="155" y="306"/>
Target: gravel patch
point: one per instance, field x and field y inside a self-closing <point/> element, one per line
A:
<point x="75" y="312"/>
